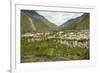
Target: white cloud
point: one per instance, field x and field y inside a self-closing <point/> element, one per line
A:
<point x="59" y="18"/>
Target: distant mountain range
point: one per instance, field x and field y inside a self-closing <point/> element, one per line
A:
<point x="31" y="21"/>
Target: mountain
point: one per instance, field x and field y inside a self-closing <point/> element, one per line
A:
<point x="31" y="21"/>
<point x="78" y="23"/>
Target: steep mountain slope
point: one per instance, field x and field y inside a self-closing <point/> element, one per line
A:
<point x="78" y="23"/>
<point x="25" y="23"/>
<point x="33" y="22"/>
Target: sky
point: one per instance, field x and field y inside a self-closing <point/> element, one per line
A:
<point x="59" y="18"/>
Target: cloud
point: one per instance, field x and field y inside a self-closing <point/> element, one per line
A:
<point x="59" y="18"/>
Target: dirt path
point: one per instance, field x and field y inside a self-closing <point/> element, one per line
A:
<point x="41" y="59"/>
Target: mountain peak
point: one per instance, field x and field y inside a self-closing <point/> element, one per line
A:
<point x="30" y="12"/>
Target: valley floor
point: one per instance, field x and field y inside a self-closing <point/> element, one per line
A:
<point x="55" y="46"/>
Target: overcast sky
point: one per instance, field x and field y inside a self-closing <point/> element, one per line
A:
<point x="59" y="18"/>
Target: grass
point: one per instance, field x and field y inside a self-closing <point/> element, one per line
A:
<point x="49" y="50"/>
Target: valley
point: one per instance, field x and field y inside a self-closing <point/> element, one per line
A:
<point x="44" y="41"/>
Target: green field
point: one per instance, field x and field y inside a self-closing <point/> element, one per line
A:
<point x="50" y="50"/>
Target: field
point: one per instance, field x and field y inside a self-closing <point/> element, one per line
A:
<point x="51" y="49"/>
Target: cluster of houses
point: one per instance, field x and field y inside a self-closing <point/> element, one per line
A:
<point x="71" y="39"/>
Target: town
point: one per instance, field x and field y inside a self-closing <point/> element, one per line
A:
<point x="69" y="38"/>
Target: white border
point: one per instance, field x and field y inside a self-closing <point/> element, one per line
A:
<point x="15" y="39"/>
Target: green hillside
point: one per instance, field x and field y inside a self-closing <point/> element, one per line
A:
<point x="78" y="23"/>
<point x="35" y="23"/>
<point x="31" y="22"/>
